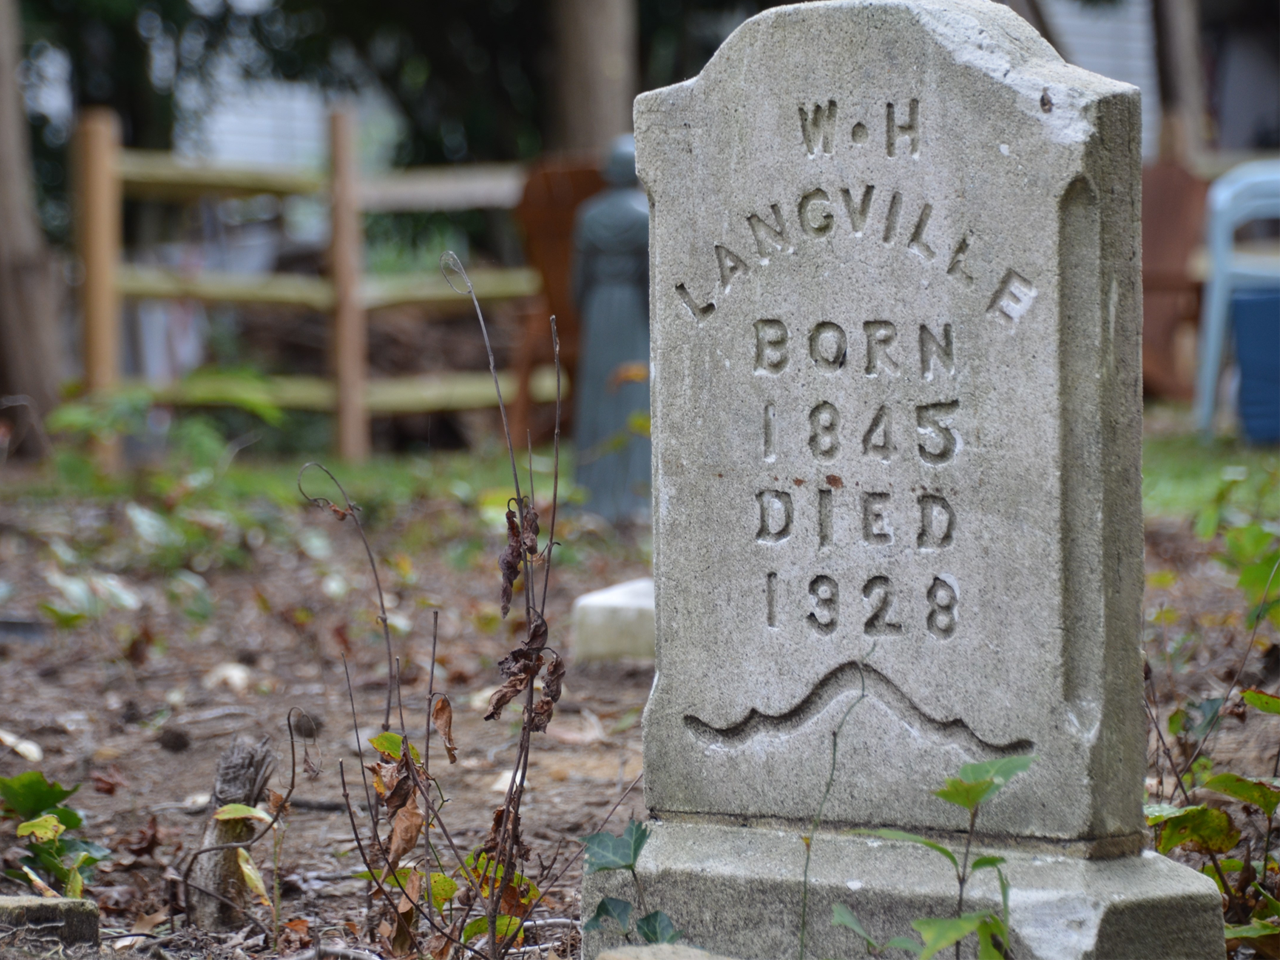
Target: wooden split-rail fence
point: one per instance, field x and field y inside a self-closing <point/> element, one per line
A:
<point x="106" y="174"/>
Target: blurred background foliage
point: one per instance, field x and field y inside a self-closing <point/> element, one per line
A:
<point x="473" y="81"/>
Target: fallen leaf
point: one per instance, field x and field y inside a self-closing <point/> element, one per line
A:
<point x="144" y="842"/>
<point x="442" y="720"/>
<point x="39" y="885"/>
<point x="136" y="650"/>
<point x="109" y="781"/>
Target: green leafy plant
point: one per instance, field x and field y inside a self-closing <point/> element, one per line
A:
<point x="975" y="784"/>
<point x="1246" y="544"/>
<point x="605" y="851"/>
<point x="43" y="824"/>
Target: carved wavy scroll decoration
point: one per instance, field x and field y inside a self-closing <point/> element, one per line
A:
<point x="847" y="678"/>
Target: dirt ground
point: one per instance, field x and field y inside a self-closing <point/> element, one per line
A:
<point x="140" y="703"/>
<point x="137" y="702"/>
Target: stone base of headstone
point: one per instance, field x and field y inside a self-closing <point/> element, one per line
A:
<point x="739" y="891"/>
<point x="615" y="623"/>
<point x="45" y="922"/>
<point x="659" y="951"/>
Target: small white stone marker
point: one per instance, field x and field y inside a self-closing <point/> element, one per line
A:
<point x="615" y="622"/>
<point x="896" y="400"/>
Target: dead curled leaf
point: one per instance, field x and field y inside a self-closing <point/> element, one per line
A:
<point x="537" y="638"/>
<point x="405" y="827"/>
<point x="514" y="686"/>
<point x="398" y="796"/>
<point x="529" y="535"/>
<point x="509" y="561"/>
<point x="554" y="680"/>
<point x="442" y="720"/>
<point x="542" y="711"/>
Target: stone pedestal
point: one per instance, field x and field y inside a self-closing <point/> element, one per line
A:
<point x="737" y="891"/>
<point x="45" y="922"/>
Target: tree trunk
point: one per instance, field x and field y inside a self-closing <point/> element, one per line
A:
<point x="243" y="771"/>
<point x="1181" y="73"/>
<point x="596" y="71"/>
<point x="28" y="291"/>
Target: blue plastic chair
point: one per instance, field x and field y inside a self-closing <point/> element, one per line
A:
<point x="1249" y="192"/>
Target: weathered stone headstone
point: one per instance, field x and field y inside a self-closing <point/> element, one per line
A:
<point x="614" y="623"/>
<point x="897" y="423"/>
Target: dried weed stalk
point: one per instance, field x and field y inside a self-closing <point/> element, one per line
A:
<point x="475" y="902"/>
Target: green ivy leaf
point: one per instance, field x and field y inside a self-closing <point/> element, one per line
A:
<point x="1269" y="907"/>
<point x="1251" y="931"/>
<point x="480" y="926"/>
<point x="965" y="794"/>
<point x="1256" y="698"/>
<point x="888" y="834"/>
<point x="657" y="928"/>
<point x="1250" y="791"/>
<point x="442" y="889"/>
<point x="942" y="932"/>
<point x="842" y="916"/>
<point x="241" y="811"/>
<point x="391" y="744"/>
<point x="607" y="852"/>
<point x="610" y="908"/>
<point x="986" y="863"/>
<point x="1160" y="812"/>
<point x="252" y="876"/>
<point x="74" y="888"/>
<point x="47" y="827"/>
<point x="1211" y="829"/>
<point x="29" y="794"/>
<point x="1001" y="771"/>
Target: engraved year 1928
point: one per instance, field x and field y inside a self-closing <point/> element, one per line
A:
<point x="884" y="612"/>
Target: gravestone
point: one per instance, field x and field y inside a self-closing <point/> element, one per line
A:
<point x="614" y="623"/>
<point x="897" y="429"/>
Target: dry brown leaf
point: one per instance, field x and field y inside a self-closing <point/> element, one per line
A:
<point x="276" y="803"/>
<point x="537" y="638"/>
<point x="529" y="536"/>
<point x="399" y="795"/>
<point x="542" y="711"/>
<point x="512" y="688"/>
<point x="442" y="719"/>
<point x="509" y="561"/>
<point x="405" y="828"/>
<point x="108" y="782"/>
<point x="149" y="921"/>
<point x="554" y="680"/>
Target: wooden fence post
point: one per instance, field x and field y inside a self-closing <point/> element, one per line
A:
<point x="98" y="198"/>
<point x="350" y="339"/>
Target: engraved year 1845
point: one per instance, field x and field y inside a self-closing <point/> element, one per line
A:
<point x="830" y="436"/>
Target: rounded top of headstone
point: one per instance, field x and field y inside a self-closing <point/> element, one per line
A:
<point x="619" y="169"/>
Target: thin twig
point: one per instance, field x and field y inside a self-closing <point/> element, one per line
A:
<point x="353" y="511"/>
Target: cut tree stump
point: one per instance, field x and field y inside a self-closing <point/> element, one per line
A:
<point x="243" y="771"/>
